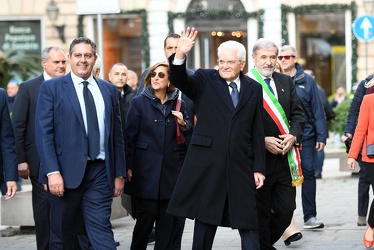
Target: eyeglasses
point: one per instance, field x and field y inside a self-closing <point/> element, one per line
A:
<point x="160" y="74"/>
<point x="230" y="62"/>
<point x="285" y="57"/>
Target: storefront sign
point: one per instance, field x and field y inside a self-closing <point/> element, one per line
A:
<point x="22" y="36"/>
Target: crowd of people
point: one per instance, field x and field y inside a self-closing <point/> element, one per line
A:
<point x="174" y="142"/>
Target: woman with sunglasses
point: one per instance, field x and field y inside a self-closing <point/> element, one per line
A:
<point x="153" y="157"/>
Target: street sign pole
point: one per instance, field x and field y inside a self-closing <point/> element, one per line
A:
<point x="98" y="7"/>
<point x="366" y="58"/>
<point x="101" y="43"/>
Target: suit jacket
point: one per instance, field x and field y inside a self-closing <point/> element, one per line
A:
<point x="8" y="157"/>
<point x="290" y="103"/>
<point x="227" y="146"/>
<point x="23" y="120"/>
<point x="364" y="133"/>
<point x="61" y="135"/>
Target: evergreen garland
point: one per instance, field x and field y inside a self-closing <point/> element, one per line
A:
<point x="215" y="15"/>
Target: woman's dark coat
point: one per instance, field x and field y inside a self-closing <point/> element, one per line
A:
<point x="153" y="153"/>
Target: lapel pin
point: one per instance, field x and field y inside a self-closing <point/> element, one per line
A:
<point x="282" y="90"/>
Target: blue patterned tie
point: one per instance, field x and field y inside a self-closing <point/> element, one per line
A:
<point x="267" y="80"/>
<point x="93" y="132"/>
<point x="234" y="93"/>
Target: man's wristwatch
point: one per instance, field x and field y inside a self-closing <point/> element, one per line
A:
<point x="296" y="142"/>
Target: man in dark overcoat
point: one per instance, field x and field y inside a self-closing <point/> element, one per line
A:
<point x="284" y="128"/>
<point x="224" y="164"/>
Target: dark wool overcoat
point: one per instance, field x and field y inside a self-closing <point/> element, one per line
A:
<point x="227" y="147"/>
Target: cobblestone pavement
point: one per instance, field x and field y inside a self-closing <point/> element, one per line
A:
<point x="336" y="207"/>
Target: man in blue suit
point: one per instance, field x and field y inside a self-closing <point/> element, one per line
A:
<point x="23" y="121"/>
<point x="8" y="157"/>
<point x="83" y="170"/>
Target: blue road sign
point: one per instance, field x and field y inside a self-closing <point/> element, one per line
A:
<point x="363" y="28"/>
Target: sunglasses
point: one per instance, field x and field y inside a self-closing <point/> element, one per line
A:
<point x="160" y="74"/>
<point x="285" y="57"/>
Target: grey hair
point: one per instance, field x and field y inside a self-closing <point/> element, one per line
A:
<point x="98" y="63"/>
<point x="264" y="43"/>
<point x="134" y="73"/>
<point x="46" y="50"/>
<point x="289" y="47"/>
<point x="238" y="47"/>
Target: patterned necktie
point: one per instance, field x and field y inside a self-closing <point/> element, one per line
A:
<point x="93" y="132"/>
<point x="267" y="80"/>
<point x="234" y="93"/>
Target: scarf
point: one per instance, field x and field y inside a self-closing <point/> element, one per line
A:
<point x="276" y="112"/>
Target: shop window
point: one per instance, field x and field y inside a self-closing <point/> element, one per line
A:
<point x="321" y="47"/>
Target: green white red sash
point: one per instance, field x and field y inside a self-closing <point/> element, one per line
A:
<point x="276" y="112"/>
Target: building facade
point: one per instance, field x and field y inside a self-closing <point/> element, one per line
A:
<point x="320" y="30"/>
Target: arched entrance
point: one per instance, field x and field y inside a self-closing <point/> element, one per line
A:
<point x="217" y="21"/>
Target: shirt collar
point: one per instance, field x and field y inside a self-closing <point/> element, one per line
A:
<point x="77" y="80"/>
<point x="237" y="81"/>
<point x="46" y="76"/>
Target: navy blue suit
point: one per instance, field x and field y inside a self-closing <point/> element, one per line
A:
<point x="63" y="146"/>
<point x="8" y="158"/>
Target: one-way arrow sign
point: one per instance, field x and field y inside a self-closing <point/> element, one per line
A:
<point x="363" y="28"/>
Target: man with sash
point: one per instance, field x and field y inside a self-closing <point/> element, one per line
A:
<point x="283" y="120"/>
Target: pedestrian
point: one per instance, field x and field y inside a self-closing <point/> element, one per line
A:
<point x="118" y="76"/>
<point x="152" y="124"/>
<point x="292" y="232"/>
<point x="350" y="126"/>
<point x="170" y="46"/>
<point x="329" y="113"/>
<point x="362" y="139"/>
<point x="12" y="90"/>
<point x="23" y="120"/>
<point x="132" y="79"/>
<point x="224" y="165"/>
<point x="8" y="158"/>
<point x="276" y="199"/>
<point x="97" y="67"/>
<point x="339" y="97"/>
<point x="80" y="145"/>
<point x="315" y="131"/>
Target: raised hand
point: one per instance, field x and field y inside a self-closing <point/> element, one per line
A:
<point x="186" y="42"/>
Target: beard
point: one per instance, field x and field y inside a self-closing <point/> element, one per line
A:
<point x="267" y="72"/>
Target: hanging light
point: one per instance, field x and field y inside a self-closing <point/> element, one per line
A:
<point x="53" y="12"/>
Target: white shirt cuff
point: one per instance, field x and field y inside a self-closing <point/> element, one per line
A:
<point x="178" y="61"/>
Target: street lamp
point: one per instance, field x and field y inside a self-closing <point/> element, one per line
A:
<point x="52" y="12"/>
<point x="368" y="6"/>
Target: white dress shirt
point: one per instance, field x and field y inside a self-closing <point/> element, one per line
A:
<point x="99" y="104"/>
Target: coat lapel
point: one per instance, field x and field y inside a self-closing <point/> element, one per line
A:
<point x="245" y="91"/>
<point x="68" y="85"/>
<point x="108" y="104"/>
<point x="280" y="88"/>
